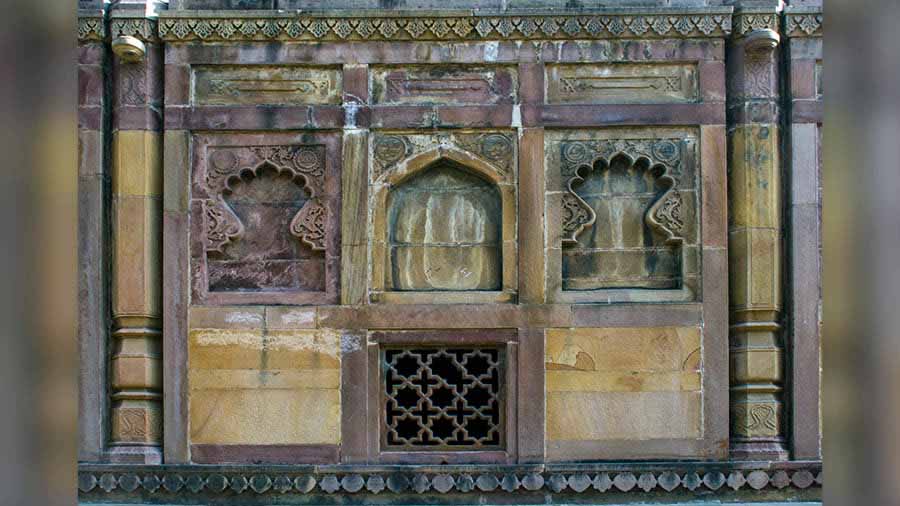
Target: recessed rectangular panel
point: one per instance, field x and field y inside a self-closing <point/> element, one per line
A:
<point x="621" y="83"/>
<point x="444" y="85"/>
<point x="252" y="85"/>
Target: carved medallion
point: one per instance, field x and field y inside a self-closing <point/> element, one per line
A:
<point x="389" y="150"/>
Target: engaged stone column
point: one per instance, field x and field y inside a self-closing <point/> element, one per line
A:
<point x="755" y="241"/>
<point x="136" y="362"/>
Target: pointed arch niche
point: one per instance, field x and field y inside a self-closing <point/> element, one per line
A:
<point x="443" y="224"/>
<point x="627" y="220"/>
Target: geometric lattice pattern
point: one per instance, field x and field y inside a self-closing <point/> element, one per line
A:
<point x="443" y="398"/>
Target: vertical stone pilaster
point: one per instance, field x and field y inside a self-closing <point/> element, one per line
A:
<point x="755" y="240"/>
<point x="354" y="184"/>
<point x="93" y="248"/>
<point x="136" y="419"/>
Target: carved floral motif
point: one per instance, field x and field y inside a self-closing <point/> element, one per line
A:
<point x="134" y="90"/>
<point x="749" y="22"/>
<point x="91" y="28"/>
<point x="755" y="420"/>
<point x="389" y="150"/>
<point x="495" y="148"/>
<point x="226" y="165"/>
<point x="799" y="25"/>
<point x="668" y="213"/>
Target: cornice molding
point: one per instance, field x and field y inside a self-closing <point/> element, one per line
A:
<point x="91" y="26"/>
<point x="803" y="22"/>
<point x="137" y="26"/>
<point x="141" y="482"/>
<point x="177" y="26"/>
<point x="749" y="21"/>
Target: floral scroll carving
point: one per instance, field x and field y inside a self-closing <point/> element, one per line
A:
<point x="497" y="149"/>
<point x="305" y="163"/>
<point x="663" y="157"/>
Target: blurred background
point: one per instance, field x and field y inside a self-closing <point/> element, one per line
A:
<point x="38" y="152"/>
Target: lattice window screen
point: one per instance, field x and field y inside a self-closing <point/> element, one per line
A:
<point x="443" y="398"/>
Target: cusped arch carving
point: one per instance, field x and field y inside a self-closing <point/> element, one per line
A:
<point x="423" y="161"/>
<point x="305" y="165"/>
<point x="664" y="214"/>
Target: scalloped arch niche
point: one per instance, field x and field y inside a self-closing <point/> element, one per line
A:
<point x="266" y="256"/>
<point x="622" y="248"/>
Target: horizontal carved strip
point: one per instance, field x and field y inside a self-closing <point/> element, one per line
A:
<point x="280" y="26"/>
<point x="709" y="23"/>
<point x="138" y="481"/>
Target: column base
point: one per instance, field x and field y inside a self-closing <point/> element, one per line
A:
<point x="135" y="454"/>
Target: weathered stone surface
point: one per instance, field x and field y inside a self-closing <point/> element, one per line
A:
<point x="444" y="233"/>
<point x="264" y="387"/>
<point x="598" y="416"/>
<point x="443" y="217"/>
<point x="623" y="349"/>
<point x="623" y="383"/>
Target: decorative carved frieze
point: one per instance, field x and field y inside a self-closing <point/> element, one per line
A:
<point x="141" y="28"/>
<point x="279" y="26"/>
<point x="137" y="482"/>
<point x="748" y="21"/>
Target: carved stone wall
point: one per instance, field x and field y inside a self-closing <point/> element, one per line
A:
<point x="547" y="239"/>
